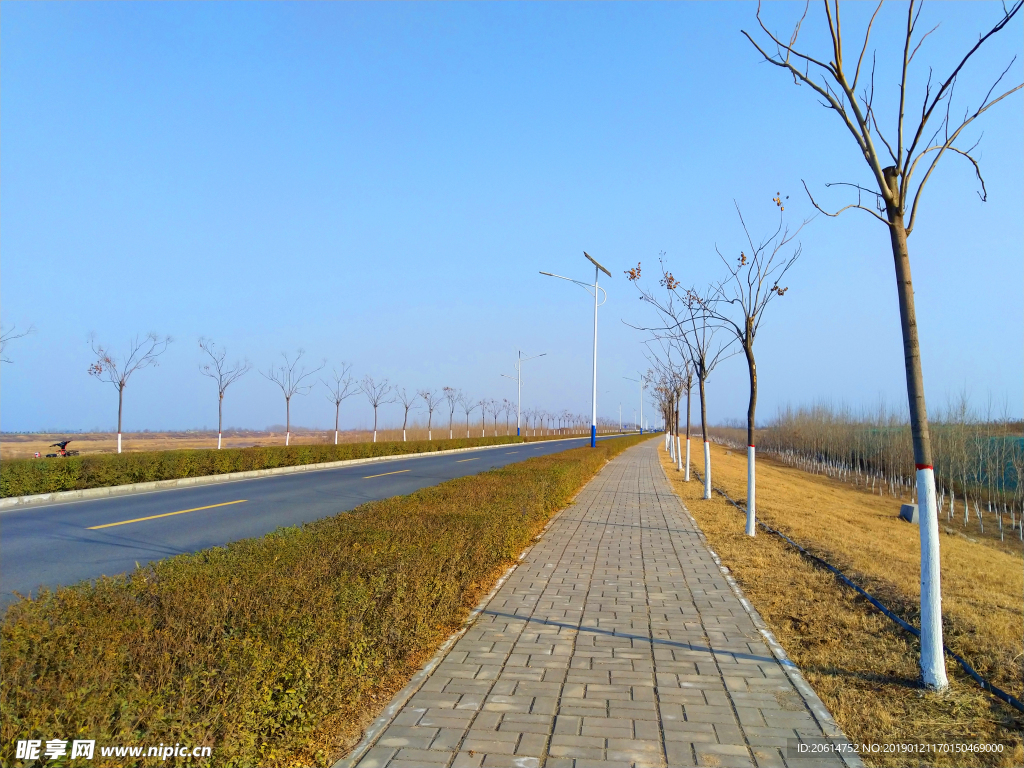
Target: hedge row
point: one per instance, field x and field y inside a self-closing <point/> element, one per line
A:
<point x="277" y="650"/>
<point x="23" y="477"/>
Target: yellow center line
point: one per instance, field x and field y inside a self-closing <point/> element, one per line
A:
<point x="165" y="514"/>
<point x="462" y="460"/>
<point x="400" y="471"/>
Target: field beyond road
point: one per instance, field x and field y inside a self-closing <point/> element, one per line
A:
<point x="861" y="664"/>
<point x="26" y="445"/>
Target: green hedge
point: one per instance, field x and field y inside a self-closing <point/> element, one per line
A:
<point x="23" y="477"/>
<point x="276" y="650"/>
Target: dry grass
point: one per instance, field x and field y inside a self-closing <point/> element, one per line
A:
<point x="861" y="664"/>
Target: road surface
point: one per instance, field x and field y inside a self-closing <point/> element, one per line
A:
<point x="64" y="543"/>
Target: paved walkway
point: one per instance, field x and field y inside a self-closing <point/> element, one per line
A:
<point x="618" y="641"/>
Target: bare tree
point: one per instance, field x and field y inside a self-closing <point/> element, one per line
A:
<point x="686" y="319"/>
<point x="454" y="397"/>
<point x="508" y="408"/>
<point x="468" y="406"/>
<point x="408" y="401"/>
<point x="340" y="388"/>
<point x="495" y="407"/>
<point x="432" y="400"/>
<point x="142" y="353"/>
<point x="483" y="403"/>
<point x="739" y="303"/>
<point x="289" y="376"/>
<point x="672" y="375"/>
<point x="222" y="373"/>
<point x="896" y="196"/>
<point x="377" y="393"/>
<point x="688" y="388"/>
<point x="10" y="334"/>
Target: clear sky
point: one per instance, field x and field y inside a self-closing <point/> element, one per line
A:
<point x="381" y="183"/>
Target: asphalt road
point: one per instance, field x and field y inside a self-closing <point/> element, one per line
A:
<point x="60" y="544"/>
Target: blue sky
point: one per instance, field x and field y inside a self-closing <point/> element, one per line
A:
<point x="381" y="183"/>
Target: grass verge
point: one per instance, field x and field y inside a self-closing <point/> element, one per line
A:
<point x="861" y="664"/>
<point x="23" y="477"/>
<point x="277" y="650"/>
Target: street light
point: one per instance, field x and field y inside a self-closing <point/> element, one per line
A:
<point x="592" y="289"/>
<point x="643" y="385"/>
<point x="518" y="379"/>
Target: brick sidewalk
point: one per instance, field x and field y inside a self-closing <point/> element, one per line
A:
<point x="617" y="641"/>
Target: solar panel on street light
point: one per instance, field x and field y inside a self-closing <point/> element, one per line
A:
<point x="596" y="264"/>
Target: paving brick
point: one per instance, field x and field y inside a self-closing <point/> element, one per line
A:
<point x="616" y="641"/>
<point x="424" y="756"/>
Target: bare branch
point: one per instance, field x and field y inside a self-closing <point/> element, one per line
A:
<point x="864" y="48"/>
<point x="142" y="353"/>
<point x="9" y="335"/>
<point x="341" y="386"/>
<point x="218" y="370"/>
<point x="289" y="376"/>
<point x="845" y="207"/>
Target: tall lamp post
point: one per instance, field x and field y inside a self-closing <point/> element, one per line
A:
<point x="518" y="379"/>
<point x="593" y="290"/>
<point x="643" y="385"/>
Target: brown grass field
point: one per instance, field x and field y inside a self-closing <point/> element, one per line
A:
<point x="859" y="662"/>
<point x="24" y="446"/>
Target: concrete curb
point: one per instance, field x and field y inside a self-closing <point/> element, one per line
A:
<point x="14" y="502"/>
<point x="814" y="704"/>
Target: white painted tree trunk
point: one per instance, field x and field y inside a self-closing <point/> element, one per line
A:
<point x="679" y="454"/>
<point x="707" y="470"/>
<point x="335" y="437"/>
<point x="287" y="438"/>
<point x="429" y="436"/>
<point x="687" y="478"/>
<point x="375" y="435"/>
<point x="751" y="495"/>
<point x="671" y="447"/>
<point x="933" y="665"/>
<point x="118" y="442"/>
<point x="218" y="441"/>
<point x="403" y="435"/>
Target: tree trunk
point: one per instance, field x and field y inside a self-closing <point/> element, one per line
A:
<point x="679" y="444"/>
<point x="287" y="420"/>
<point x="120" y="409"/>
<point x="220" y="418"/>
<point x="748" y="350"/>
<point x="933" y="663"/>
<point x="704" y="435"/>
<point x="375" y="423"/>
<point x="666" y="414"/>
<point x="689" y="389"/>
<point x="337" y="409"/>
